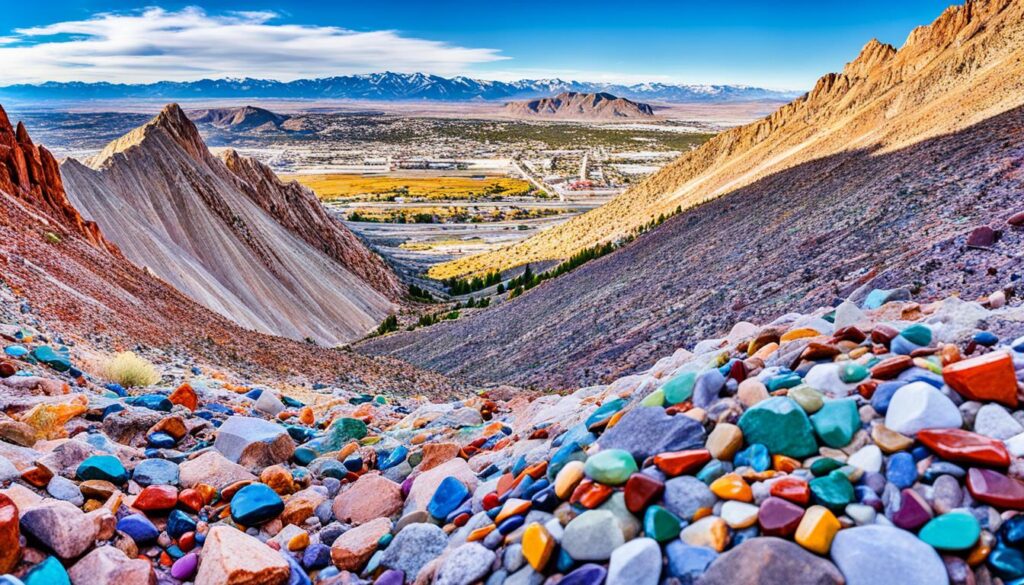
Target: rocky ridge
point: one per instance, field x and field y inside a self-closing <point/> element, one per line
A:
<point x="580" y="106"/>
<point x="231" y="235"/>
<point x="963" y="68"/>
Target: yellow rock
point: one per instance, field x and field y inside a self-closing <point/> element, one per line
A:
<point x="710" y="531"/>
<point x="538" y="546"/>
<point x="511" y="508"/>
<point x="889" y="441"/>
<point x="766" y="351"/>
<point x="480" y="533"/>
<point x="816" y="530"/>
<point x="48" y="420"/>
<point x="799" y="333"/>
<point x="568" y="478"/>
<point x="299" y="541"/>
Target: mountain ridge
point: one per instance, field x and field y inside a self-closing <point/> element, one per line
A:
<point x="229" y="234"/>
<point x="570" y="105"/>
<point x="387" y="86"/>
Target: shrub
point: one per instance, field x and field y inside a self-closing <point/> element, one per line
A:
<point x="131" y="370"/>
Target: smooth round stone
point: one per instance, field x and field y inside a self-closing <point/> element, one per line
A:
<point x="255" y="504"/>
<point x="104" y="467"/>
<point x="155" y="472"/>
<point x="883" y="396"/>
<point x="638" y="562"/>
<point x="1007" y="563"/>
<point x="641" y="489"/>
<point x="709" y="531"/>
<point x="778" y="517"/>
<point x="707" y="388"/>
<point x="946" y="494"/>
<point x="917" y="406"/>
<point x="869" y="555"/>
<point x="828" y="379"/>
<point x="808" y="398"/>
<point x="836" y="422"/>
<point x="918" y="334"/>
<point x="469" y="563"/>
<point x="685" y="496"/>
<point x="184" y="568"/>
<point x="780" y="425"/>
<point x="739" y="515"/>
<point x="771" y="561"/>
<point x="862" y="514"/>
<point x="833" y="491"/>
<point x="992" y="420"/>
<point x="592" y="536"/>
<point x="63" y="488"/>
<point x="853" y="373"/>
<point x="48" y="572"/>
<point x="901" y="470"/>
<point x="156" y="497"/>
<point x="951" y="532"/>
<point x="610" y="466"/>
<point x="161" y="440"/>
<point x="680" y="388"/>
<point x="755" y="456"/>
<point x="867" y="458"/>
<point x="139" y="528"/>
<point x="660" y="524"/>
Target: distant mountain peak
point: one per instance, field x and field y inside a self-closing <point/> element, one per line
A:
<point x="580" y="106"/>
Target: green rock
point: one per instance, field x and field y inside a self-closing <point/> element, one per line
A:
<point x="836" y="422"/>
<point x="917" y="334"/>
<point x="852" y="372"/>
<point x="824" y="465"/>
<point x="954" y="531"/>
<point x="680" y="388"/>
<point x="656" y="398"/>
<point x="808" y="398"/>
<point x="105" y="467"/>
<point x="660" y="524"/>
<point x="610" y="467"/>
<point x="833" y="491"/>
<point x="781" y="425"/>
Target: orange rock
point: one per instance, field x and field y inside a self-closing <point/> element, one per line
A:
<point x="186" y="396"/>
<point x="732" y="487"/>
<point x="306" y="416"/>
<point x="987" y="377"/>
<point x="354" y="547"/>
<point x="10" y="547"/>
<point x="279" y="479"/>
<point x="371" y="496"/>
<point x="435" y="454"/>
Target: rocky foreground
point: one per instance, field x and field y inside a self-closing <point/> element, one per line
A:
<point x="854" y="445"/>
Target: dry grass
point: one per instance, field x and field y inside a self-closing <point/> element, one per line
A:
<point x="342" y="187"/>
<point x="131" y="370"/>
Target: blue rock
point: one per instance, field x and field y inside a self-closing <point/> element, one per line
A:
<point x="546" y="500"/>
<point x="448" y="496"/>
<point x="755" y="456"/>
<point x="155" y="402"/>
<point x="604" y="412"/>
<point x="901" y="470"/>
<point x="316" y="556"/>
<point x="155" y="472"/>
<point x="646" y="431"/>
<point x="900" y="345"/>
<point x="353" y="463"/>
<point x="986" y="338"/>
<point x="588" y="574"/>
<point x="296" y="576"/>
<point x="138" y="527"/>
<point x="255" y="504"/>
<point x="396" y="456"/>
<point x="48" y="572"/>
<point x="878" y="297"/>
<point x="161" y="440"/>
<point x="105" y="467"/>
<point x="510" y="524"/>
<point x="707" y="388"/>
<point x="687" y="563"/>
<point x="16" y="351"/>
<point x="117" y="389"/>
<point x="883" y="395"/>
<point x="179" y="523"/>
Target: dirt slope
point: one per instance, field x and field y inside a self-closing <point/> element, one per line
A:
<point x="231" y="235"/>
<point x="965" y="67"/>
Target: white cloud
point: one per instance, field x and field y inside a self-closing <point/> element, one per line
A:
<point x="157" y="44"/>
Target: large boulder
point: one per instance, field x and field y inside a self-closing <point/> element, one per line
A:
<point x="211" y="468"/>
<point x="231" y="557"/>
<point x="371" y="496"/>
<point x="646" y="431"/>
<point x="253" y="442"/>
<point x="106" y="565"/>
<point x="61" y="526"/>
<point x="769" y="561"/>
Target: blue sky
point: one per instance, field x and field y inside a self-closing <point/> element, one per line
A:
<point x="779" y="45"/>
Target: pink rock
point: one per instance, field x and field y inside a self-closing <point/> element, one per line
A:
<point x="371" y="496"/>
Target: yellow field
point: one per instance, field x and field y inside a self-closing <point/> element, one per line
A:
<point x="359" y="187"/>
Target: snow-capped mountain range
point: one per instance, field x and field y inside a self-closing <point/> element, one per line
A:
<point x="387" y="86"/>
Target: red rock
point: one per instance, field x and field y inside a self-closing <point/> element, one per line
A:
<point x="883" y="334"/>
<point x="591" y="494"/>
<point x="682" y="462"/>
<point x="988" y="377"/>
<point x="963" y="446"/>
<point x="1016" y="220"/>
<point x="156" y="497"/>
<point x="792" y="489"/>
<point x="491" y="500"/>
<point x="186" y="396"/>
<point x="777" y="517"/>
<point x="37" y="475"/>
<point x="982" y="237"/>
<point x="996" y="489"/>
<point x="191" y="500"/>
<point x="891" y="367"/>
<point x="641" y="490"/>
<point x="10" y="547"/>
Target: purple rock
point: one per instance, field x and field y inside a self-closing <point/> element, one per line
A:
<point x="588" y="574"/>
<point x="914" y="511"/>
<point x="185" y="567"/>
<point x="390" y="577"/>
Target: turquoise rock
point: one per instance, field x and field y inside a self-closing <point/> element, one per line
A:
<point x="610" y="466"/>
<point x="46" y="355"/>
<point x="780" y="425"/>
<point x="660" y="524"/>
<point x="878" y="297"/>
<point x="712" y="471"/>
<point x="833" y="491"/>
<point x="1007" y="562"/>
<point x="953" y="532"/>
<point x="16" y="351"/>
<point x="341" y="432"/>
<point x="680" y="388"/>
<point x="605" y="412"/>
<point x="755" y="456"/>
<point x="105" y="467"/>
<point x="918" y="334"/>
<point x="48" y="572"/>
<point x="790" y="380"/>
<point x="255" y="504"/>
<point x="852" y="372"/>
<point x="836" y="422"/>
<point x="447" y="498"/>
